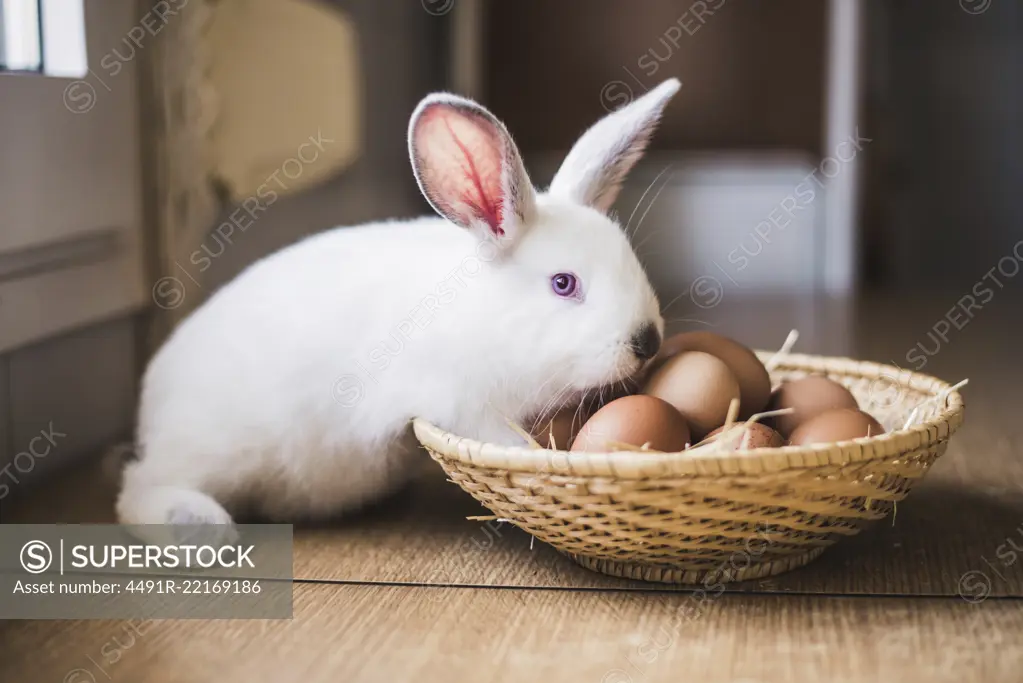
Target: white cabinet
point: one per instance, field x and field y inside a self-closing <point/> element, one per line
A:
<point x="70" y="185"/>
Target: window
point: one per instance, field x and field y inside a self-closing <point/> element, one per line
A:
<point x="43" y="36"/>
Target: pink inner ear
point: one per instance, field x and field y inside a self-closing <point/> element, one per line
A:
<point x="460" y="156"/>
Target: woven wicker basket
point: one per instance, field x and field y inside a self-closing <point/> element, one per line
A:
<point x="678" y="518"/>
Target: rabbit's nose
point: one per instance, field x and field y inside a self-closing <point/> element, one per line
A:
<point x="646" y="342"/>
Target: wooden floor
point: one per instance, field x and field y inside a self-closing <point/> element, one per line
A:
<point x="414" y="591"/>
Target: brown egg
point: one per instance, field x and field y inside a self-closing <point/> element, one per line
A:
<point x="809" y="396"/>
<point x="564" y="426"/>
<point x="754" y="382"/>
<point x="634" y="420"/>
<point x="836" y="425"/>
<point x="699" y="385"/>
<point x="753" y="435"/>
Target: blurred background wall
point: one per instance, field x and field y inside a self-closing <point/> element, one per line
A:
<point x="404" y="55"/>
<point x="945" y="100"/>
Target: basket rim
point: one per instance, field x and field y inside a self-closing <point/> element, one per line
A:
<point x="637" y="465"/>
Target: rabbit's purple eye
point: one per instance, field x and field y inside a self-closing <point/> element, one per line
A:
<point x="565" y="284"/>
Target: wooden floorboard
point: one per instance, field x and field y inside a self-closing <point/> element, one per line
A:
<point x="946" y="537"/>
<point x="883" y="606"/>
<point x="377" y="633"/>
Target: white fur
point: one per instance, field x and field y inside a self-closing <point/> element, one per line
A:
<point x="289" y="392"/>
<point x="595" y="168"/>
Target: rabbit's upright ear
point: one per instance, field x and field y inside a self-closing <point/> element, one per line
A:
<point x="593" y="172"/>
<point x="468" y="167"/>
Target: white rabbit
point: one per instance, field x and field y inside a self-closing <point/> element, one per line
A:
<point x="288" y="394"/>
